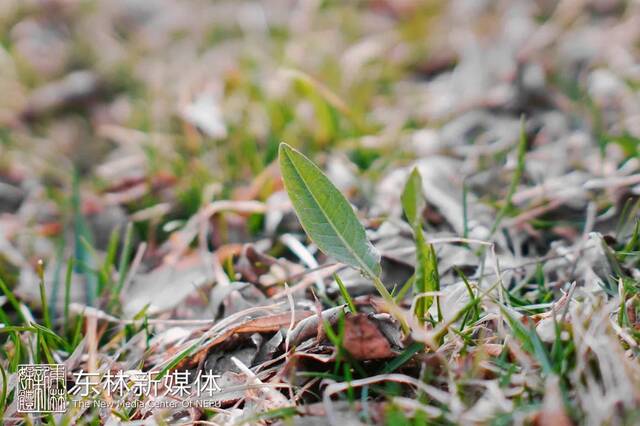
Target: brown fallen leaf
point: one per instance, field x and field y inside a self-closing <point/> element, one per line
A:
<point x="265" y="324"/>
<point x="364" y="340"/>
<point x="166" y="286"/>
<point x="253" y="263"/>
<point x="271" y="323"/>
<point x="309" y="327"/>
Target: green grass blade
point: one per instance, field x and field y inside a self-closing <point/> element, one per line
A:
<point x="405" y="289"/>
<point x="345" y="294"/>
<point x="17" y="353"/>
<point x="16" y="328"/>
<point x="77" y="333"/>
<point x="3" y="397"/>
<point x="67" y="292"/>
<point x="43" y="296"/>
<point x="515" y="180"/>
<point x="633" y="241"/>
<point x="405" y="356"/>
<point x="12" y="299"/>
<point x="82" y="232"/>
<point x="123" y="264"/>
<point x="55" y="283"/>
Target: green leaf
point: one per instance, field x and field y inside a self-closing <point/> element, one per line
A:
<point x="345" y="295"/>
<point x="426" y="277"/>
<point x="3" y="398"/>
<point x="413" y="202"/>
<point x="405" y="356"/>
<point x="325" y="214"/>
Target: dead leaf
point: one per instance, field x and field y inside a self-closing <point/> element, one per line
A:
<point x="253" y="263"/>
<point x="265" y="324"/>
<point x="364" y="340"/>
<point x="166" y="286"/>
<point x="308" y="327"/>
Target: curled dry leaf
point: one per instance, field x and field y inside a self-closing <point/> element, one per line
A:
<point x="253" y="263"/>
<point x="308" y="327"/>
<point x="264" y="324"/>
<point x="166" y="286"/>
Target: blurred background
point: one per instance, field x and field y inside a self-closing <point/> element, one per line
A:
<point x="138" y="176"/>
<point x="147" y="110"/>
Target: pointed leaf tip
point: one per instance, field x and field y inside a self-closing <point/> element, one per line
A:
<point x="413" y="202"/>
<point x="325" y="214"/>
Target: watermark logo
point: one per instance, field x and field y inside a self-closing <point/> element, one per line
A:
<point x="41" y="388"/>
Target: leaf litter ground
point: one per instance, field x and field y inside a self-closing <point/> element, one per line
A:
<point x="490" y="150"/>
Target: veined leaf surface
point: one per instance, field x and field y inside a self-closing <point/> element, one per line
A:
<point x="325" y="214"/>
